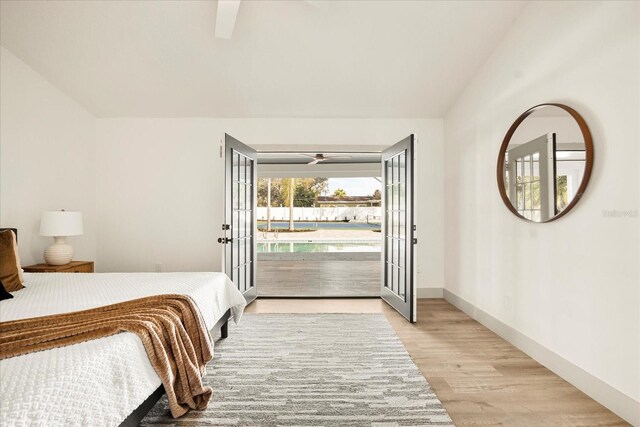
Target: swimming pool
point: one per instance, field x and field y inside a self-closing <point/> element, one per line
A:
<point x="306" y="247"/>
<point x="337" y="225"/>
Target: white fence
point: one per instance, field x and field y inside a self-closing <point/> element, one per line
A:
<point x="356" y="214"/>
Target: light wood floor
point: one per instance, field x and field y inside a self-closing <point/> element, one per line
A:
<point x="480" y="378"/>
<point x="319" y="278"/>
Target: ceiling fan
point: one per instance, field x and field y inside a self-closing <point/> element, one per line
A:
<point x="317" y="158"/>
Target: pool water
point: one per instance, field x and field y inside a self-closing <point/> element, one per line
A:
<point x="290" y="247"/>
<point x="338" y="225"/>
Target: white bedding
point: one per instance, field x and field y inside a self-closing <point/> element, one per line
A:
<point x="98" y="382"/>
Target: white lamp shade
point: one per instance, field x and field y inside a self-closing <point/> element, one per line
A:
<point x="61" y="223"/>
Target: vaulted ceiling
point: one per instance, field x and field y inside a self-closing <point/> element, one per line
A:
<point x="353" y="59"/>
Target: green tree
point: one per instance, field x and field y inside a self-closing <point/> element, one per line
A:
<point x="320" y="186"/>
<point x="306" y="193"/>
<point x="339" y="193"/>
<point x="276" y="192"/>
<point x="304" y="196"/>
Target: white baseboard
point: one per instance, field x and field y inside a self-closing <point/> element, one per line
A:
<point x="619" y="403"/>
<point x="430" y="293"/>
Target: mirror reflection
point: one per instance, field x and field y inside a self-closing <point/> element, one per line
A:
<point x="545" y="163"/>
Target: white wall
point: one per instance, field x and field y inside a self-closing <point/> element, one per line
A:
<point x="47" y="158"/>
<point x="160" y="184"/>
<point x="571" y="285"/>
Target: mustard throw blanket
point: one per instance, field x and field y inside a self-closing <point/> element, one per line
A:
<point x="171" y="328"/>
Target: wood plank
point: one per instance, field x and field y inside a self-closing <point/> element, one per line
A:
<point x="480" y="378"/>
<point x="318" y="278"/>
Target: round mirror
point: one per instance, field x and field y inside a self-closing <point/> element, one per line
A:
<point x="545" y="162"/>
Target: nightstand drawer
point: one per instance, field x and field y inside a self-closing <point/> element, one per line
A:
<point x="84" y="268"/>
<point x="72" y="267"/>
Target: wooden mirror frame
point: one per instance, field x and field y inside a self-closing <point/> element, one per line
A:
<point x="588" y="143"/>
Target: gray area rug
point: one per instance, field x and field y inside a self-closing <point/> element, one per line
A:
<point x="312" y="370"/>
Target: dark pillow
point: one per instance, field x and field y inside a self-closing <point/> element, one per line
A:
<point x="3" y="293"/>
<point x="9" y="263"/>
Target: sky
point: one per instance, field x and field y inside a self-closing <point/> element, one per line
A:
<point x="354" y="186"/>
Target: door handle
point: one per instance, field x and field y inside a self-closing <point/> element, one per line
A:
<point x="224" y="240"/>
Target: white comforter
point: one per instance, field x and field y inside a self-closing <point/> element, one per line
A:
<point x="99" y="382"/>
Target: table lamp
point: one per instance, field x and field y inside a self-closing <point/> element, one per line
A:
<point x="59" y="225"/>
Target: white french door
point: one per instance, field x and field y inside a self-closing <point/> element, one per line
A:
<point x="398" y="286"/>
<point x="240" y="216"/>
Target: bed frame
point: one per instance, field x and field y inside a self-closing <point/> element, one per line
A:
<point x="141" y="411"/>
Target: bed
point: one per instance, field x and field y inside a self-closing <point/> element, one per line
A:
<point x="108" y="381"/>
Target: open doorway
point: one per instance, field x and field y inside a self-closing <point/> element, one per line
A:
<point x="319" y="222"/>
<point x="319" y="236"/>
<point x="396" y="257"/>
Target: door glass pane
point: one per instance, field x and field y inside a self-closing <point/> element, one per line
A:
<point x="234" y="195"/>
<point x="242" y="251"/>
<point x="387" y="219"/>
<point x="395" y="197"/>
<point x="535" y="190"/>
<point x="402" y="167"/>
<point x="402" y="248"/>
<point x="394" y="286"/>
<point x="234" y="225"/>
<point x="401" y="282"/>
<point x="241" y="169"/>
<point x="248" y="170"/>
<point x="396" y="169"/>
<point x="249" y="276"/>
<point x="234" y="169"/>
<point x="249" y="197"/>
<point x="249" y="247"/>
<point x="520" y="196"/>
<point x="388" y="280"/>
<point x="241" y="196"/>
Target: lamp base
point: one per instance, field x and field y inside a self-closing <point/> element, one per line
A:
<point x="59" y="253"/>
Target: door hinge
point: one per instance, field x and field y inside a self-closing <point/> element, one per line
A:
<point x="224" y="240"/>
<point x="415" y="241"/>
<point x="226" y="227"/>
<point x="415" y="228"/>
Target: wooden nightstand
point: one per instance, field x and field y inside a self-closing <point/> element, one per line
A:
<point x="72" y="267"/>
